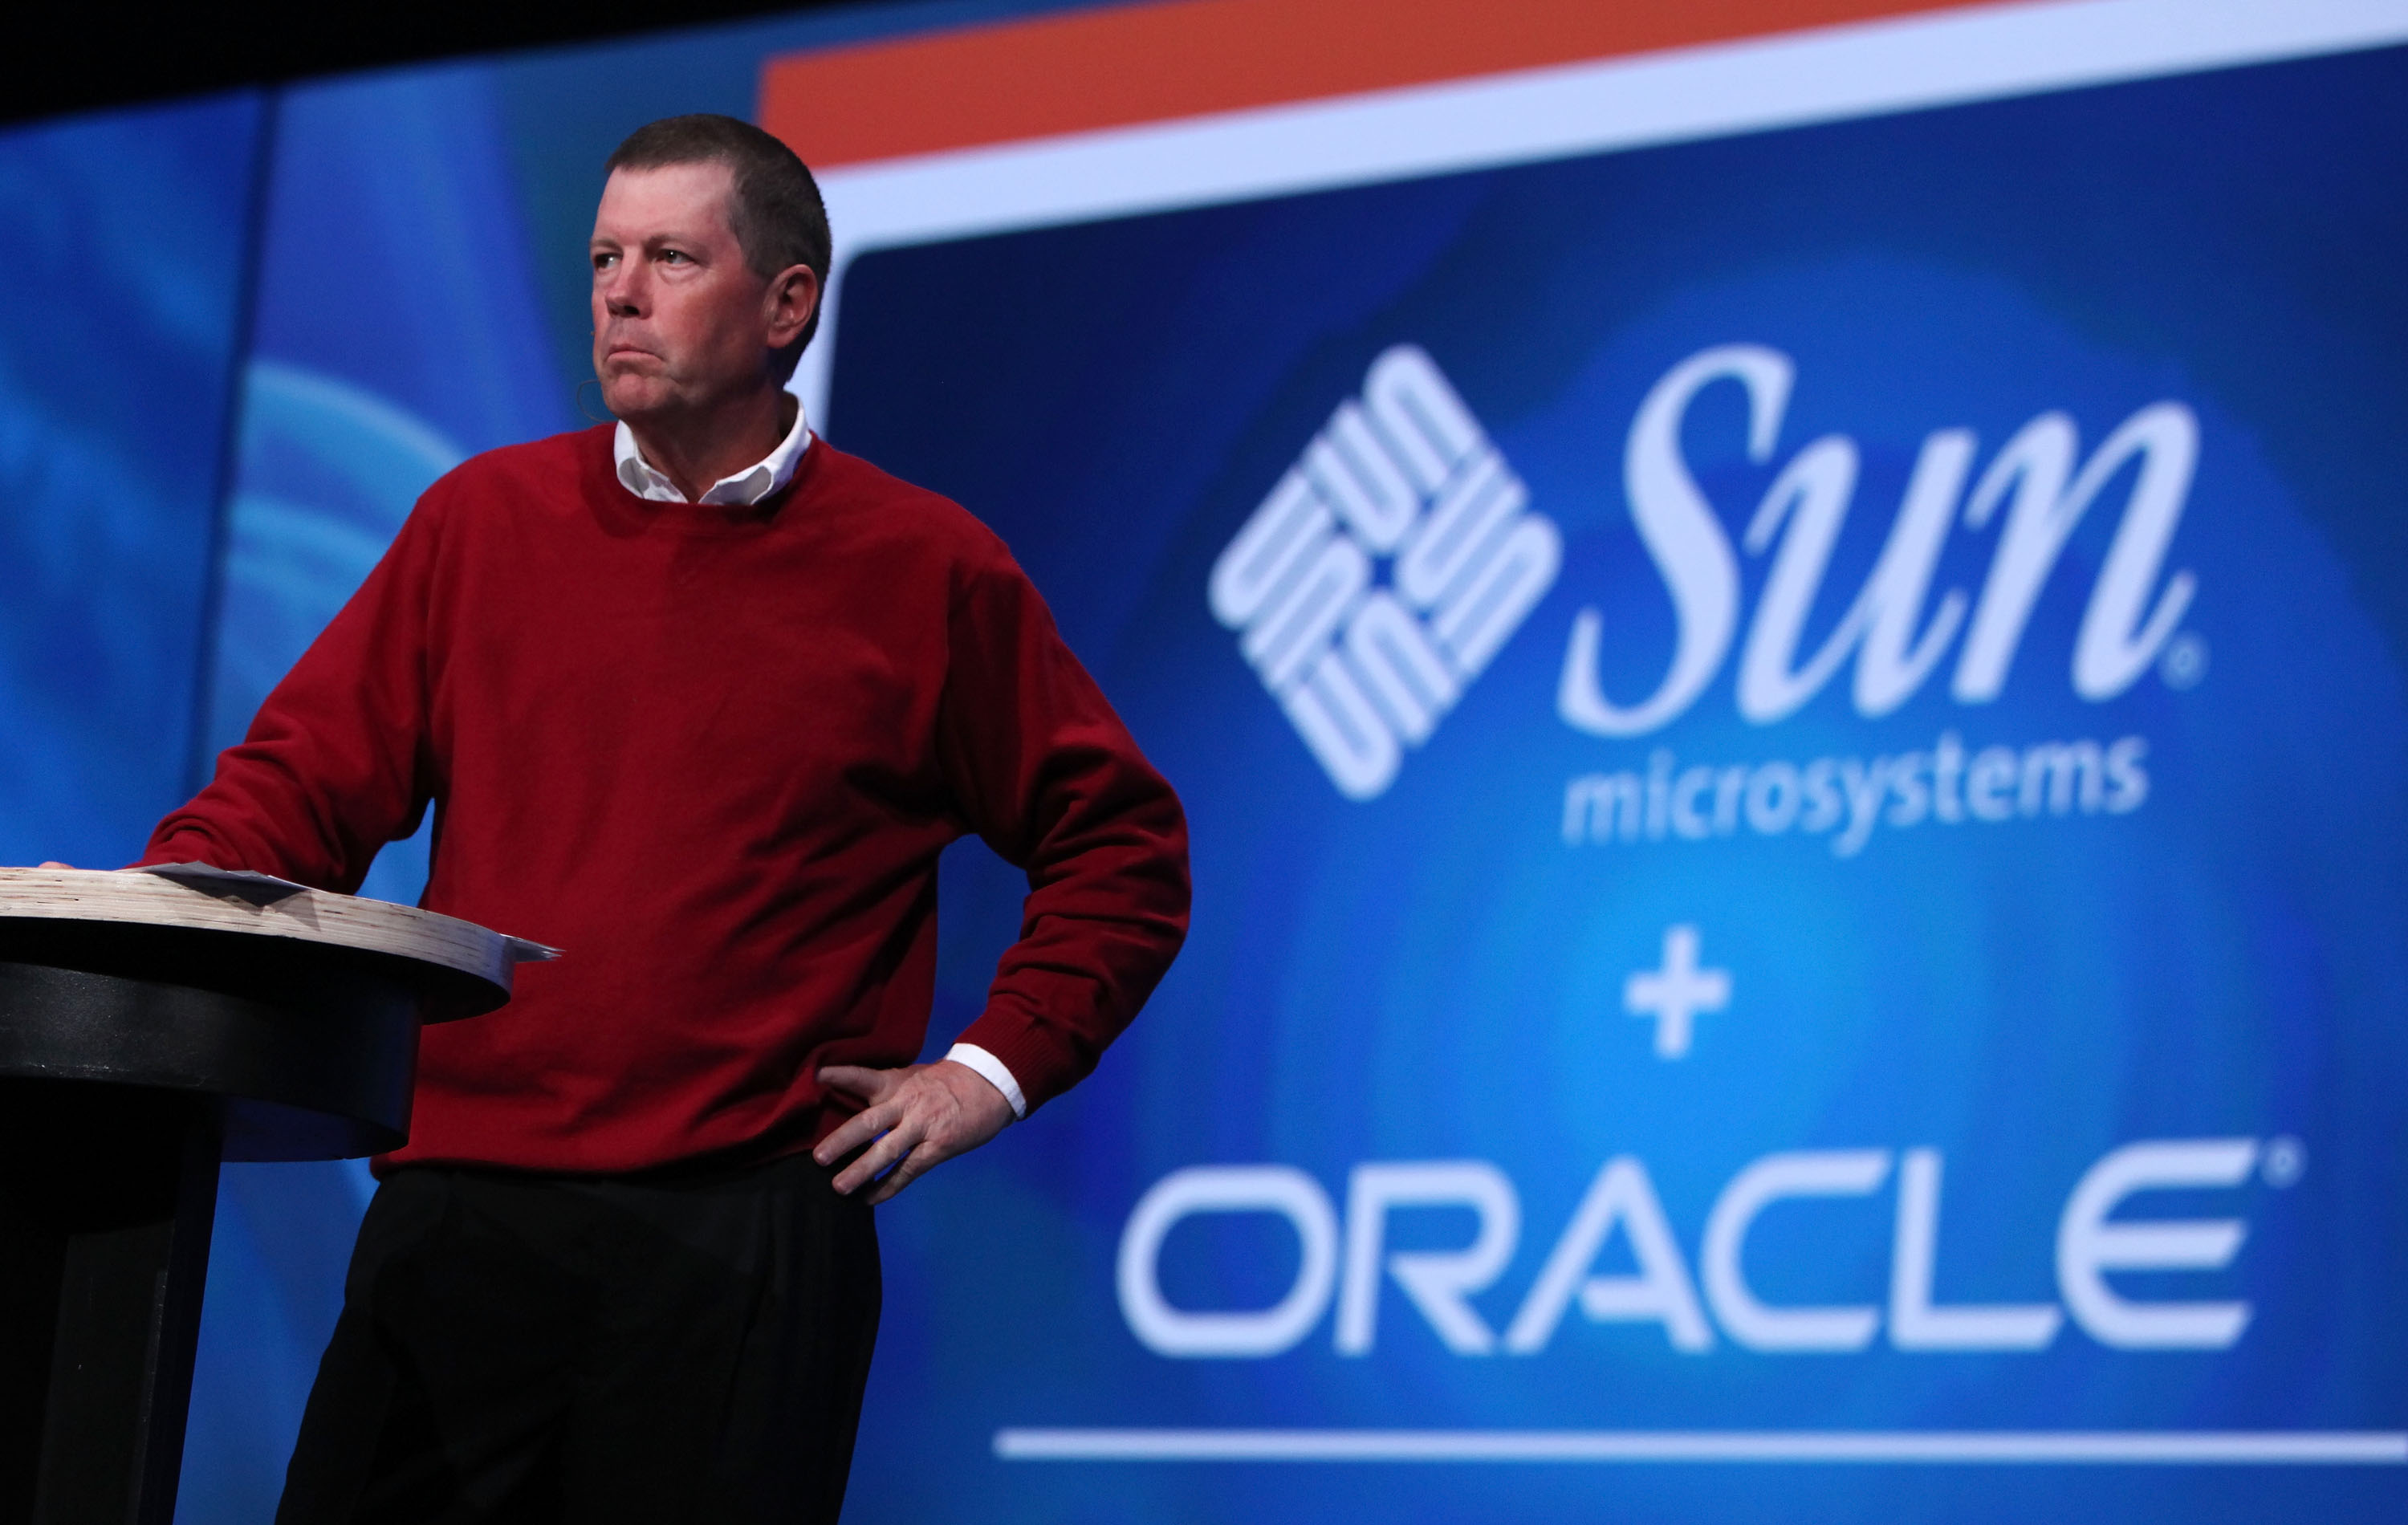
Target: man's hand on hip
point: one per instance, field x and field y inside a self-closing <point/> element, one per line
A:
<point x="921" y="1115"/>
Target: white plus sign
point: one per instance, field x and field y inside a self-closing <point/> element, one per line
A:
<point x="1677" y="992"/>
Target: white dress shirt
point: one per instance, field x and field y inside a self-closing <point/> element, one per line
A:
<point x="751" y="486"/>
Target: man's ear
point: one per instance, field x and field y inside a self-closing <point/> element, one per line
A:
<point x="793" y="297"/>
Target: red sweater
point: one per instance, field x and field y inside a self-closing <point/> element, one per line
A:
<point x="712" y="753"/>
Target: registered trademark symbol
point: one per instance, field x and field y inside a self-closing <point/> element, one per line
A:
<point x="2185" y="662"/>
<point x="2285" y="1160"/>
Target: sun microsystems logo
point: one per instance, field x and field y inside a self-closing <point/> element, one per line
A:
<point x="1384" y="571"/>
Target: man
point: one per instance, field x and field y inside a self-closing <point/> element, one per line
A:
<point x="699" y="700"/>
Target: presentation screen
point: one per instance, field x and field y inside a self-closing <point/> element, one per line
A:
<point x="1795" y="748"/>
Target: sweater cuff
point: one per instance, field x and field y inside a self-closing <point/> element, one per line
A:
<point x="180" y="847"/>
<point x="992" y="1070"/>
<point x="1032" y="1053"/>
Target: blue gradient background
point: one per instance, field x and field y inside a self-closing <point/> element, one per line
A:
<point x="270" y="321"/>
<point x="1435" y="975"/>
<point x="117" y="366"/>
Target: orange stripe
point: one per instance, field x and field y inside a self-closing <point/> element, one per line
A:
<point x="1122" y="64"/>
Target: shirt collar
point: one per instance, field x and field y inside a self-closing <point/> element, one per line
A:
<point x="750" y="485"/>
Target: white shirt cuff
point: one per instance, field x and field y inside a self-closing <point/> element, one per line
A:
<point x="990" y="1070"/>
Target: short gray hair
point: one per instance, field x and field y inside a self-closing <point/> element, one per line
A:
<point x="777" y="214"/>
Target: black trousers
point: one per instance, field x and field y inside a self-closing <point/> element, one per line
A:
<point x="549" y="1348"/>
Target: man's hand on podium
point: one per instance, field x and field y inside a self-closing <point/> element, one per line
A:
<point x="921" y="1115"/>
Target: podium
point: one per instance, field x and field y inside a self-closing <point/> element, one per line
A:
<point x="150" y="1027"/>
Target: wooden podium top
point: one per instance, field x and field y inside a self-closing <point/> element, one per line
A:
<point x="209" y="901"/>
<point x="299" y="1009"/>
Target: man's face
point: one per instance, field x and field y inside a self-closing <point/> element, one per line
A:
<point x="681" y="322"/>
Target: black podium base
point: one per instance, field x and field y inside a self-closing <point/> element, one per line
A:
<point x="104" y="1221"/>
<point x="120" y="1092"/>
<point x="150" y="1027"/>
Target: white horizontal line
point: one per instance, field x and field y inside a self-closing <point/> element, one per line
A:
<point x="2158" y="1447"/>
<point x="1825" y="74"/>
<point x="1784" y="79"/>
